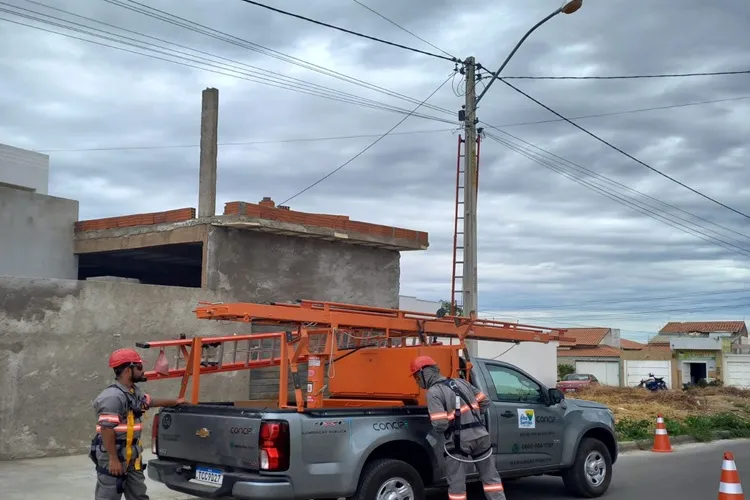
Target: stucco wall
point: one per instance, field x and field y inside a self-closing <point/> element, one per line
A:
<point x="650" y="354"/>
<point x="262" y="267"/>
<point x="36" y="235"/>
<point x="55" y="338"/>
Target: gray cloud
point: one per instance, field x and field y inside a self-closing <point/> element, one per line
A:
<point x="544" y="240"/>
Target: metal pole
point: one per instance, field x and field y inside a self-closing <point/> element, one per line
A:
<point x="470" y="199"/>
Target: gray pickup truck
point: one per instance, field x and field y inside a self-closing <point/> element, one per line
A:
<point x="225" y="450"/>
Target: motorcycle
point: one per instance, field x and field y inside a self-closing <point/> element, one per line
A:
<point x="653" y="383"/>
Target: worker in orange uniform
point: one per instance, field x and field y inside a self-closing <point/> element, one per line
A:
<point x="116" y="448"/>
<point x="457" y="409"/>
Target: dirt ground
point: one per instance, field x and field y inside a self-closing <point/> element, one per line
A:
<point x="634" y="403"/>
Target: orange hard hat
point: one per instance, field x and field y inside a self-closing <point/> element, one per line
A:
<point x="123" y="357"/>
<point x="420" y="362"/>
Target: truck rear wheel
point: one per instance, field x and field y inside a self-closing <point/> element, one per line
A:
<point x="389" y="479"/>
<point x="591" y="473"/>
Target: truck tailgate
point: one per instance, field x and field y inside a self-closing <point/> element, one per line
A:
<point x="228" y="437"/>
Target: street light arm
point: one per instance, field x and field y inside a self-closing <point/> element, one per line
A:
<point x="497" y="73"/>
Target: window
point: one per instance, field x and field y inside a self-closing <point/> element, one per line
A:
<point x="512" y="386"/>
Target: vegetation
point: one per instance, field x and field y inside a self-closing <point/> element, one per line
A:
<point x="563" y="370"/>
<point x="696" y="412"/>
<point x="446" y="306"/>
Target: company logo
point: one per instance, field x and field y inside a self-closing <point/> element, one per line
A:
<point x="516" y="448"/>
<point x="240" y="430"/>
<point x="546" y="419"/>
<point x="203" y="433"/>
<point x="328" y="423"/>
<point x="390" y="426"/>
<point x="526" y="419"/>
<point x="166" y="421"/>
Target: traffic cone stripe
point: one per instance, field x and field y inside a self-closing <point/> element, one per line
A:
<point x="659" y="420"/>
<point x="730" y="488"/>
<point x="728" y="465"/>
<point x="661" y="432"/>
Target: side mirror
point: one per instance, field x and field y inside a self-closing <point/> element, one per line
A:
<point x="556" y="396"/>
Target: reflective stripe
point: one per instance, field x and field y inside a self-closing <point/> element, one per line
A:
<point x="109" y="417"/>
<point x="457" y="496"/>
<point x="661" y="432"/>
<point x="493" y="487"/>
<point x="129" y="438"/>
<point x="120" y="428"/>
<point x="728" y="465"/>
<point x="730" y="488"/>
<point x="439" y="416"/>
<point x="480" y="397"/>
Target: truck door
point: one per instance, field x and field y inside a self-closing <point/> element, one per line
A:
<point x="528" y="432"/>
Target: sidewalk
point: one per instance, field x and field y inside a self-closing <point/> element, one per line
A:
<point x="63" y="478"/>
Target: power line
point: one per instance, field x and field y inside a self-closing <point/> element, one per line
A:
<point x="623" y="152"/>
<point x="362" y="35"/>
<point x="401" y="27"/>
<point x="627" y="77"/>
<point x="303" y="87"/>
<point x="196" y="27"/>
<point x="629" y="202"/>
<point x="248" y="143"/>
<point x="618" y="184"/>
<point x="313" y="139"/>
<point x="368" y="147"/>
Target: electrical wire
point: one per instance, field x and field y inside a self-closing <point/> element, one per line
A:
<point x="628" y="77"/>
<point x="365" y="149"/>
<point x="624" y="153"/>
<point x="189" y="25"/>
<point x="624" y="200"/>
<point x="577" y="166"/>
<point x="362" y="35"/>
<point x="310" y="89"/>
<point x="313" y="139"/>
<point x="402" y="28"/>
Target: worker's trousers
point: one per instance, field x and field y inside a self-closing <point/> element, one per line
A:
<point x="456" y="471"/>
<point x="133" y="486"/>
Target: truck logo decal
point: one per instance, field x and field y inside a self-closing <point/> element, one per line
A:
<point x="526" y="419"/>
<point x="546" y="419"/>
<point x="390" y="426"/>
<point x="240" y="430"/>
<point x="328" y="423"/>
<point x="203" y="433"/>
<point x="166" y="421"/>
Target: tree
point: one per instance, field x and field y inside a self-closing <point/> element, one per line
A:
<point x="446" y="306"/>
<point x="563" y="370"/>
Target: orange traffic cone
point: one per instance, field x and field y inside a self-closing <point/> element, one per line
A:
<point x="730" y="487"/>
<point x="661" y="438"/>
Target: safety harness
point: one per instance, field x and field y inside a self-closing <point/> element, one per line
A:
<point x="127" y="443"/>
<point x="455" y="426"/>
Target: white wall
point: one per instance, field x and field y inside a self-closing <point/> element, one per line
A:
<point x="537" y="359"/>
<point x="24" y="168"/>
<point x="409" y="303"/>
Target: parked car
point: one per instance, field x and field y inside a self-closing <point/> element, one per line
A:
<point x="223" y="450"/>
<point x="576" y="381"/>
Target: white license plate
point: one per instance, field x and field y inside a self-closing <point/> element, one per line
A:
<point x="209" y="476"/>
<point x="571" y="390"/>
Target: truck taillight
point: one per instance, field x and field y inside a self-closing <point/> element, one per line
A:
<point x="155" y="434"/>
<point x="274" y="445"/>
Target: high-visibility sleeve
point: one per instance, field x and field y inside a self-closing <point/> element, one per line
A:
<point x="440" y="416"/>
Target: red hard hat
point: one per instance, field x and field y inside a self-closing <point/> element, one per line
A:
<point x="420" y="362"/>
<point x="124" y="357"/>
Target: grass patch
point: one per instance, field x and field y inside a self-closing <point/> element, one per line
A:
<point x="700" y="427"/>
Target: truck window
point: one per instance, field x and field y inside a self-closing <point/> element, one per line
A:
<point x="514" y="387"/>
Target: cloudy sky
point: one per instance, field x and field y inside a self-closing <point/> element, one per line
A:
<point x="571" y="239"/>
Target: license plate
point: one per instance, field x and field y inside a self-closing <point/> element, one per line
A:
<point x="571" y="390"/>
<point x="209" y="476"/>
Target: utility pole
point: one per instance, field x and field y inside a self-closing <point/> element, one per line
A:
<point x="209" y="153"/>
<point x="469" y="284"/>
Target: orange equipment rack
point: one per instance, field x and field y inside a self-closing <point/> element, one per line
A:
<point x="357" y="341"/>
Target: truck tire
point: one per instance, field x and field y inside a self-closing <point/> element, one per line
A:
<point x="382" y="478"/>
<point x="591" y="473"/>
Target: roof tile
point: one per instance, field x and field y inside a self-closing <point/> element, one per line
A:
<point x="585" y="336"/>
<point x="601" y="351"/>
<point x="674" y="327"/>
<point x="631" y="345"/>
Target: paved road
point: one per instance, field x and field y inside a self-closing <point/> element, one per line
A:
<point x="690" y="473"/>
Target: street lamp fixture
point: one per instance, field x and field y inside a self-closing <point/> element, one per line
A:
<point x="567" y="8"/>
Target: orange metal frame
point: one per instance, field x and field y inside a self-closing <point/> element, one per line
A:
<point x="324" y="322"/>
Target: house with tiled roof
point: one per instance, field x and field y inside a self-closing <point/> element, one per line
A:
<point x="594" y="351"/>
<point x="700" y="349"/>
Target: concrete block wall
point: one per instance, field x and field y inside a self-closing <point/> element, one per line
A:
<point x="262" y="267"/>
<point x="36" y="235"/>
<point x="55" y="339"/>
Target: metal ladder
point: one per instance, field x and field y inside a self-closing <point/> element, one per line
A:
<point x="457" y="291"/>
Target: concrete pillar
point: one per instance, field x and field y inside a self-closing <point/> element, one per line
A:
<point x="209" y="153"/>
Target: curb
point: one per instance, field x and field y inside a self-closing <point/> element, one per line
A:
<point x="645" y="444"/>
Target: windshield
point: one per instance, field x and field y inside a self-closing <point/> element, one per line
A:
<point x="576" y="376"/>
